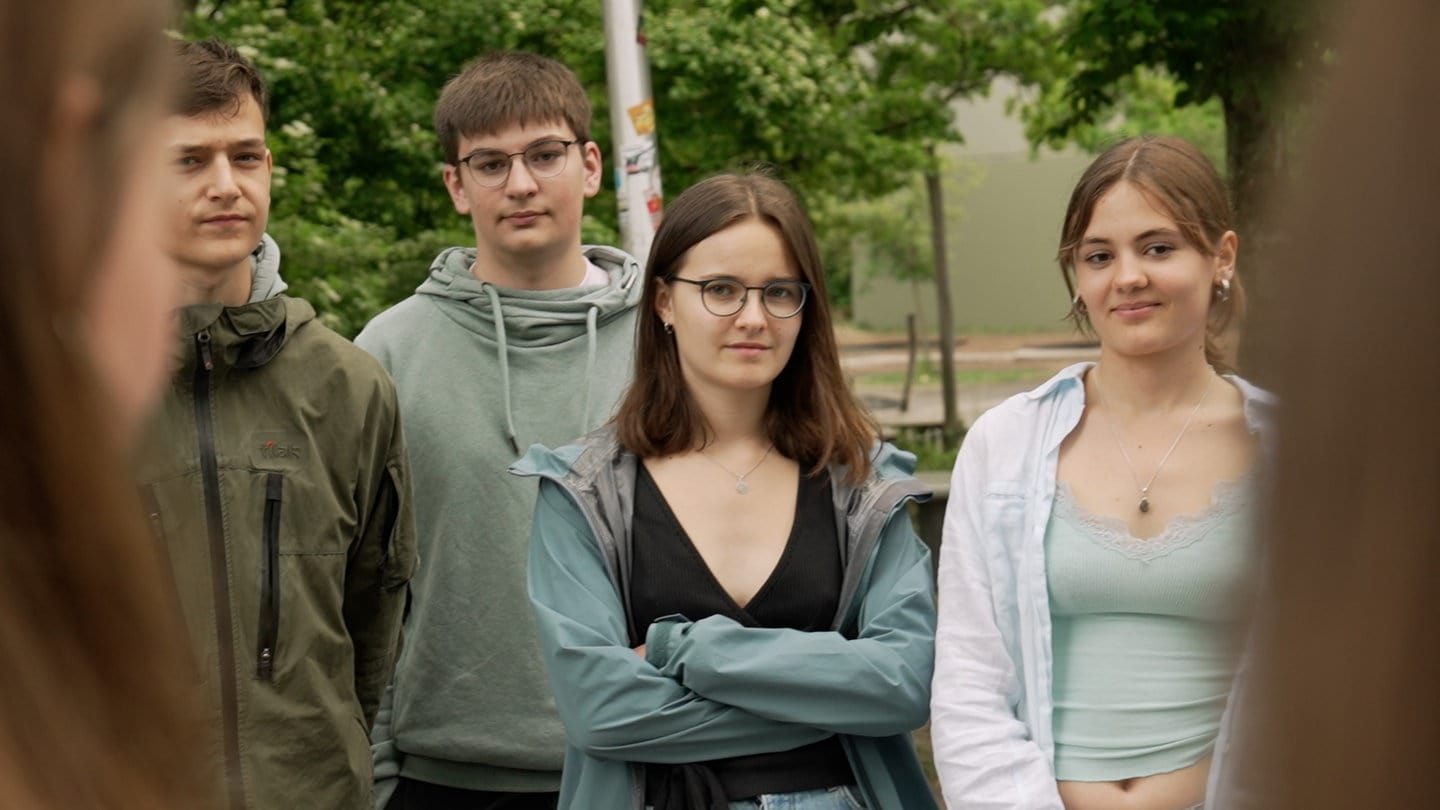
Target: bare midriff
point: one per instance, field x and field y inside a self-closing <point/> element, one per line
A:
<point x="1176" y="790"/>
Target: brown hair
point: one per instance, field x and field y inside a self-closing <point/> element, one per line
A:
<point x="1176" y="177"/>
<point x="812" y="416"/>
<point x="1346" y="712"/>
<point x="216" y="78"/>
<point x="509" y="88"/>
<point x="97" y="707"/>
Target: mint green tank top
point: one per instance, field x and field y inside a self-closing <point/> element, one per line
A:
<point x="1144" y="634"/>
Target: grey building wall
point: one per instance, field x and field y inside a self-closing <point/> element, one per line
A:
<point x="1003" y="210"/>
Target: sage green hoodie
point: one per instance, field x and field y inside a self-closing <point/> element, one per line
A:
<point x="483" y="372"/>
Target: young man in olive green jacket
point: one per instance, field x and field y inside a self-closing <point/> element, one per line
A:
<point x="275" y="477"/>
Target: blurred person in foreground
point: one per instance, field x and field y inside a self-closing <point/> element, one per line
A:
<point x="1339" y="711"/>
<point x="96" y="709"/>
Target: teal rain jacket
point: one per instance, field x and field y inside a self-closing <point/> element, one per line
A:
<point x="713" y="688"/>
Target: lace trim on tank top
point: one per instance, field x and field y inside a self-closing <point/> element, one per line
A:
<point x="1226" y="499"/>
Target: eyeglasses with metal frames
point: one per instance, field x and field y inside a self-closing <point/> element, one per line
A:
<point x="723" y="297"/>
<point x="543" y="159"/>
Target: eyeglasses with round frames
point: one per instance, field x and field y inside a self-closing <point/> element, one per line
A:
<point x="724" y="297"/>
<point x="543" y="159"/>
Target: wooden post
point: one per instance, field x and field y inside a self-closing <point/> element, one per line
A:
<point x="909" y="364"/>
<point x="942" y="291"/>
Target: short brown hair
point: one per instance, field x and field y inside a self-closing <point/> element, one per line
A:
<point x="215" y="78"/>
<point x="509" y="88"/>
<point x="1176" y="177"/>
<point x="812" y="417"/>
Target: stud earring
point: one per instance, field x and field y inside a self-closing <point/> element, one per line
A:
<point x="669" y="328"/>
<point x="1222" y="290"/>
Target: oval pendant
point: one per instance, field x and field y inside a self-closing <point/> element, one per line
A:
<point x="1144" y="504"/>
<point x="741" y="487"/>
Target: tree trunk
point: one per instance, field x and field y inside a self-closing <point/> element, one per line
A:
<point x="922" y="329"/>
<point x="1255" y="155"/>
<point x="942" y="290"/>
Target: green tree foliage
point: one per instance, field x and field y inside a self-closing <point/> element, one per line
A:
<point x="825" y="92"/>
<point x="359" y="210"/>
<point x="744" y="82"/>
<point x="1237" y="56"/>
<point x="1145" y="102"/>
<point x="842" y="97"/>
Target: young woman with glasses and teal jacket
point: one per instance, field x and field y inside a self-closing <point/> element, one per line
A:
<point x="734" y="608"/>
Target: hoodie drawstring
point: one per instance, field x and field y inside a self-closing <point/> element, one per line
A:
<point x="591" y="335"/>
<point x="503" y="351"/>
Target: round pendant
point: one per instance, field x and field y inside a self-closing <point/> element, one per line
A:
<point x="1144" y="504"/>
<point x="741" y="487"/>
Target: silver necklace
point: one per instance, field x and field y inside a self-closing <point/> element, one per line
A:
<point x="1145" y="490"/>
<point x="740" y="485"/>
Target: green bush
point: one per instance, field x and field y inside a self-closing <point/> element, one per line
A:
<point x="351" y="270"/>
<point x="932" y="450"/>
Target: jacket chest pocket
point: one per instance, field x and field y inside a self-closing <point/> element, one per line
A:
<point x="292" y="545"/>
<point x="268" y="634"/>
<point x="262" y="580"/>
<point x="1002" y="518"/>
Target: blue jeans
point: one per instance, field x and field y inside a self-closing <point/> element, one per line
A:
<point x="835" y="798"/>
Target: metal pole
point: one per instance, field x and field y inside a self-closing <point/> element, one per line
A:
<point x="632" y="125"/>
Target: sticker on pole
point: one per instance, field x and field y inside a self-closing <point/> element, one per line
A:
<point x="642" y="116"/>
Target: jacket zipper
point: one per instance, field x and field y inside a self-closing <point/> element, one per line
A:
<point x="878" y="512"/>
<point x="270" y="578"/>
<point x="219" y="573"/>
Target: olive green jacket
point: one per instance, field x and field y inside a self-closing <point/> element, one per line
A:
<point x="276" y="476"/>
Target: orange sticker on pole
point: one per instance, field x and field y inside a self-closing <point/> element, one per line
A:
<point x="642" y="115"/>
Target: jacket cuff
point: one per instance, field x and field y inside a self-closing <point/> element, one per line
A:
<point x="661" y="639"/>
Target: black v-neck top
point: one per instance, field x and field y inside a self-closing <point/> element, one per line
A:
<point x="669" y="576"/>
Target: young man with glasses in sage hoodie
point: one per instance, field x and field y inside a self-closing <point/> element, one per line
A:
<point x="525" y="338"/>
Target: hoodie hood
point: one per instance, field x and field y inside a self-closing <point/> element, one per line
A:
<point x="265" y="281"/>
<point x="529" y="318"/>
<point x="521" y="320"/>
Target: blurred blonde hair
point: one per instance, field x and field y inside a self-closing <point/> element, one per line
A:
<point x="1347" y="711"/>
<point x="95" y="677"/>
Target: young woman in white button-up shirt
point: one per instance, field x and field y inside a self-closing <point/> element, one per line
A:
<point x="1097" y="552"/>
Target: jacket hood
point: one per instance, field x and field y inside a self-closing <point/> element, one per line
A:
<point x="531" y="317"/>
<point x="888" y="464"/>
<point x="265" y="280"/>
